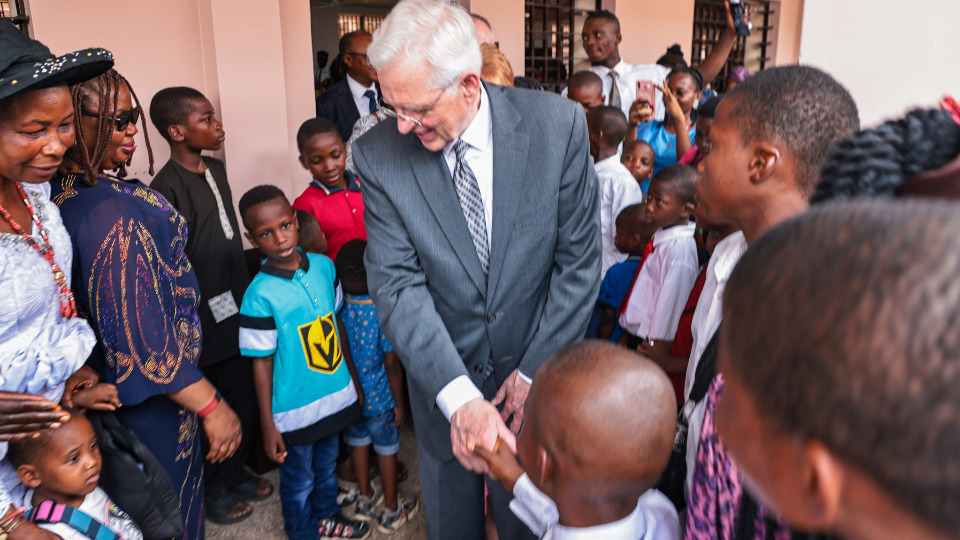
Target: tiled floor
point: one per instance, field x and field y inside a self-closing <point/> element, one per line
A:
<point x="267" y="523"/>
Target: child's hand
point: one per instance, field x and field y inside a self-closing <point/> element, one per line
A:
<point x="273" y="444"/>
<point x="85" y="377"/>
<point x="399" y="415"/>
<point x="502" y="464"/>
<point x="635" y="118"/>
<point x="100" y="397"/>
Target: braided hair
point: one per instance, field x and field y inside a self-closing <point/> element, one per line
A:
<point x="878" y="161"/>
<point x="107" y="89"/>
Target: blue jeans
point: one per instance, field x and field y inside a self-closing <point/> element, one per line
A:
<point x="308" y="487"/>
<point x="378" y="430"/>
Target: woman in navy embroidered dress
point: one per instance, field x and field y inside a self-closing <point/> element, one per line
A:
<point x="140" y="293"/>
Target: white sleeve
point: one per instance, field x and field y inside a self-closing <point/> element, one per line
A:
<point x="624" y="195"/>
<point x="679" y="276"/>
<point x="532" y="507"/>
<point x="456" y="394"/>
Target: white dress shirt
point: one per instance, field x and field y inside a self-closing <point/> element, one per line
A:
<point x="654" y="518"/>
<point x="479" y="156"/>
<point x="618" y="190"/>
<point x="627" y="77"/>
<point x="663" y="285"/>
<point x="357" y="90"/>
<point x="706" y="320"/>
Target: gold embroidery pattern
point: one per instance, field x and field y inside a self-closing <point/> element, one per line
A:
<point x="154" y="281"/>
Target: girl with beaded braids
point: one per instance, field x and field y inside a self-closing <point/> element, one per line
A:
<point x="917" y="155"/>
<point x="138" y="290"/>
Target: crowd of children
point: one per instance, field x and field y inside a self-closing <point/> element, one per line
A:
<point x="753" y="368"/>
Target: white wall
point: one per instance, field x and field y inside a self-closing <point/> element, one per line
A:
<point x="891" y="55"/>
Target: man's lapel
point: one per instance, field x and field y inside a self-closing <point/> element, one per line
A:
<point x="435" y="182"/>
<point x="510" y="148"/>
<point x="348" y="107"/>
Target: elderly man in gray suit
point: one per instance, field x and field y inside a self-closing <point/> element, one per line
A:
<point x="484" y="247"/>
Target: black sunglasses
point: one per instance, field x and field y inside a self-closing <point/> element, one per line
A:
<point x="123" y="119"/>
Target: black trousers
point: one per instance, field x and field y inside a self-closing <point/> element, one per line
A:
<point x="233" y="377"/>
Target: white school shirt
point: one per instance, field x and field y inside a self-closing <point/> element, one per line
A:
<point x="479" y="156"/>
<point x="618" y="190"/>
<point x="627" y="77"/>
<point x="654" y="518"/>
<point x="706" y="320"/>
<point x="663" y="285"/>
<point x="357" y="90"/>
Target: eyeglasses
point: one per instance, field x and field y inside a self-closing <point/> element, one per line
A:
<point x="416" y="121"/>
<point x="123" y="119"/>
<point x="364" y="56"/>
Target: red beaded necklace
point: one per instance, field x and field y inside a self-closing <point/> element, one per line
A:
<point x="68" y="305"/>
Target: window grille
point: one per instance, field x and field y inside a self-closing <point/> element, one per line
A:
<point x="351" y="22"/>
<point x="551" y="35"/>
<point x="12" y="10"/>
<point x="709" y="21"/>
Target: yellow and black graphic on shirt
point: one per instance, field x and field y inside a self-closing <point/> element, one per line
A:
<point x="320" y="344"/>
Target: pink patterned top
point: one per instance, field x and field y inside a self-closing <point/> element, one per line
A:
<point x="716" y="495"/>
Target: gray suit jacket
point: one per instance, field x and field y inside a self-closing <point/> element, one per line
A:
<point x="443" y="318"/>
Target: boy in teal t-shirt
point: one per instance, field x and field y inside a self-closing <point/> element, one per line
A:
<point x="306" y="383"/>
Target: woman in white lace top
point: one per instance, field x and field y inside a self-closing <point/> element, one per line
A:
<point x="42" y="340"/>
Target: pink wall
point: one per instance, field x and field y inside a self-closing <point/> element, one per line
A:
<point x="648" y="27"/>
<point x="506" y="17"/>
<point x="252" y="59"/>
<point x="789" y="24"/>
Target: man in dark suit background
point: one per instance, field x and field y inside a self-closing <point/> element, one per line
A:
<point x="483" y="259"/>
<point x="356" y="95"/>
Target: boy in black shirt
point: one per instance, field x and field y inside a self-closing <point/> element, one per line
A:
<point x="197" y="187"/>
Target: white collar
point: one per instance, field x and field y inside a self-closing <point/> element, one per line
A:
<point x="727" y="253"/>
<point x="632" y="526"/>
<point x="607" y="162"/>
<point x="622" y="68"/>
<point x="358" y="89"/>
<point x="479" y="134"/>
<point x="673" y="233"/>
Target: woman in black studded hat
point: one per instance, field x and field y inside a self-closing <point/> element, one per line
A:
<point x="43" y="344"/>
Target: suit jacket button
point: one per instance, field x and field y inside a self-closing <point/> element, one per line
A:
<point x="478" y="369"/>
<point x="490" y="318"/>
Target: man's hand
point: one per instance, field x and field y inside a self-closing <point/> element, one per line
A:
<point x="85" y="377"/>
<point x="22" y="415"/>
<point x="478" y="423"/>
<point x="513" y="394"/>
<point x="223" y="432"/>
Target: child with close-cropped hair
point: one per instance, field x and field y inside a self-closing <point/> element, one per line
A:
<point x="597" y="434"/>
<point x="846" y="423"/>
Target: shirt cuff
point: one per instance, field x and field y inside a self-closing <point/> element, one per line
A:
<point x="533" y="507"/>
<point x="525" y="379"/>
<point x="456" y="394"/>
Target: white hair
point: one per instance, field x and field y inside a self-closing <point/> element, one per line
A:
<point x="437" y="32"/>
